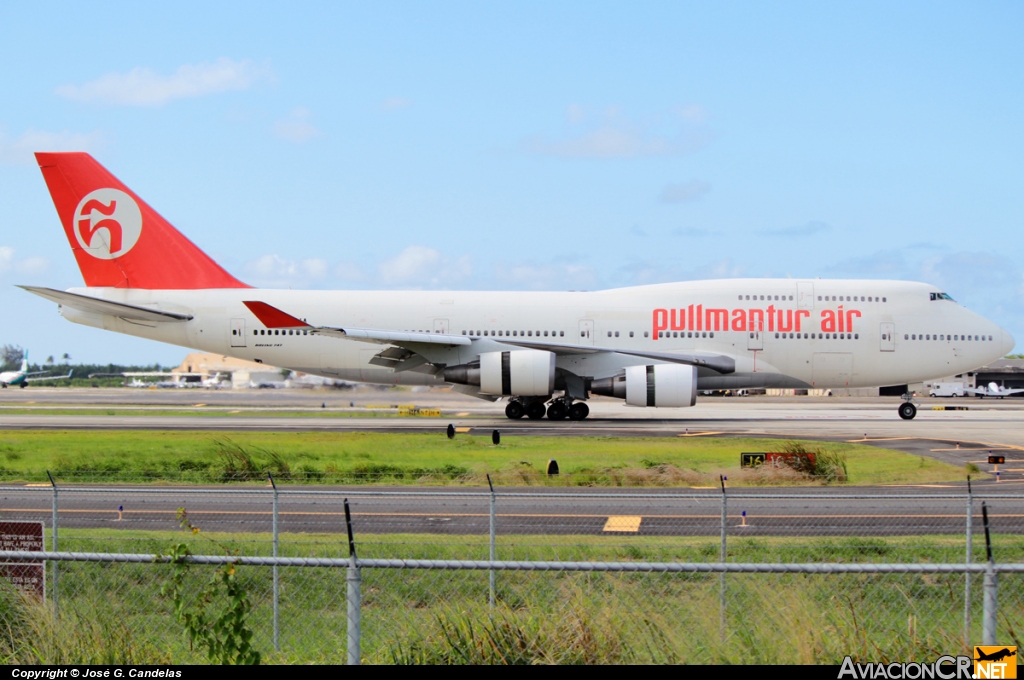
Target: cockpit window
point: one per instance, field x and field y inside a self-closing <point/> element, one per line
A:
<point x="940" y="296"/>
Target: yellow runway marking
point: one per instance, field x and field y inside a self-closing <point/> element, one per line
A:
<point x="630" y="523"/>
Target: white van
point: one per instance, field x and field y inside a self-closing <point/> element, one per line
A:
<point x="950" y="389"/>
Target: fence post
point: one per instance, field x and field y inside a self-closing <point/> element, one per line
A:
<point x="53" y="538"/>
<point x="277" y="583"/>
<point x="354" y="581"/>
<point x="492" y="552"/>
<point x="721" y="577"/>
<point x="970" y="558"/>
<point x="988" y="617"/>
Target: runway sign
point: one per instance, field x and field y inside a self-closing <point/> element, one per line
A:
<point x="752" y="459"/>
<point x="29" y="577"/>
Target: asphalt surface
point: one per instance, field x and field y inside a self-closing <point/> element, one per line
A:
<point x="954" y="436"/>
<point x="672" y="512"/>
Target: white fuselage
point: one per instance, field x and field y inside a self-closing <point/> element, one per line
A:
<point x="781" y="333"/>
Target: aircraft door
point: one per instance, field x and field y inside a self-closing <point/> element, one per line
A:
<point x="586" y="332"/>
<point x="805" y="295"/>
<point x="441" y="326"/>
<point x="887" y="337"/>
<point x="238" y="332"/>
<point x="755" y="338"/>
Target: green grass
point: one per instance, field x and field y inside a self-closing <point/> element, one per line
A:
<point x="115" y="611"/>
<point x="343" y="457"/>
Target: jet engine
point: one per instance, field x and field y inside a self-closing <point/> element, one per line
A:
<point x="521" y="373"/>
<point x="658" y="385"/>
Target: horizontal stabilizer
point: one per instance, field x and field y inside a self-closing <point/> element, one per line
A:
<point x="272" y="317"/>
<point x="85" y="303"/>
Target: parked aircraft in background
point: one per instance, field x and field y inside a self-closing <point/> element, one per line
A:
<point x="546" y="352"/>
<point x="992" y="390"/>
<point x="20" y="377"/>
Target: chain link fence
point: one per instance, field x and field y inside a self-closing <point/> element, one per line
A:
<point x="540" y="575"/>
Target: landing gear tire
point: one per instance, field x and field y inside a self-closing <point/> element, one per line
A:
<point x="907" y="411"/>
<point x="578" y="411"/>
<point x="515" y="410"/>
<point x="557" y="411"/>
<point x="535" y="410"/>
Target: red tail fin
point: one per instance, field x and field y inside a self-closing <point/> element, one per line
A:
<point x="118" y="240"/>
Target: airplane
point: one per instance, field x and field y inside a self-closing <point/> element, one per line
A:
<point x="546" y="353"/>
<point x="992" y="390"/>
<point x="20" y="377"/>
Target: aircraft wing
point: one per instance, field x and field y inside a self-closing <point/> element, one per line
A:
<point x="272" y="317"/>
<point x="52" y="377"/>
<point x="716" y="362"/>
<point x="86" y="303"/>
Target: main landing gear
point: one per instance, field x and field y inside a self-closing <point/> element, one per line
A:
<point x="907" y="409"/>
<point x="559" y="409"/>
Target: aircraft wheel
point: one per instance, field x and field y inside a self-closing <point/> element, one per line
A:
<point x="515" y="410"/>
<point x="535" y="410"/>
<point x="578" y="411"/>
<point x="907" y="411"/>
<point x="557" y="411"/>
<point x="23" y="385"/>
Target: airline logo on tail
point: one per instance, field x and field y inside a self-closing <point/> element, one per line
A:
<point x="107" y="223"/>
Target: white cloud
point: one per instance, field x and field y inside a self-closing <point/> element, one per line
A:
<point x="694" y="113"/>
<point x="276" y="270"/>
<point x="20" y="149"/>
<point x="550" y="276"/>
<point x="296" y="127"/>
<point x="423" y="266"/>
<point x="145" y="87"/>
<point x="396" y="103"/>
<point x="348" y="271"/>
<point x="29" y="265"/>
<point x="685" y="192"/>
<point x="616" y="136"/>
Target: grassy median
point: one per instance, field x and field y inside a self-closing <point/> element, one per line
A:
<point x="350" y="458"/>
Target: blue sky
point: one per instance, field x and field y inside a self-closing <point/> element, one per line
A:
<point x="525" y="146"/>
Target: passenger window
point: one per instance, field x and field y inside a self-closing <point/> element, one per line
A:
<point x="631" y="334"/>
<point x="616" y="334"/>
<point x="561" y="333"/>
<point x="645" y="334"/>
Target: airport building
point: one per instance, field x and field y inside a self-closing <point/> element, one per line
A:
<point x="205" y="368"/>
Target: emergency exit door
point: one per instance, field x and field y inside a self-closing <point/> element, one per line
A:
<point x="238" y="332"/>
<point x="887" y="337"/>
<point x="586" y="332"/>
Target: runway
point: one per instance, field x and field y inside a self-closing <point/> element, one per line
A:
<point x="957" y="437"/>
<point x="671" y="512"/>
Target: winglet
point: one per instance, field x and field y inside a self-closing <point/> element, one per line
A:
<point x="272" y="317"/>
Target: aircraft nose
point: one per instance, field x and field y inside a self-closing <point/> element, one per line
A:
<point x="1008" y="342"/>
